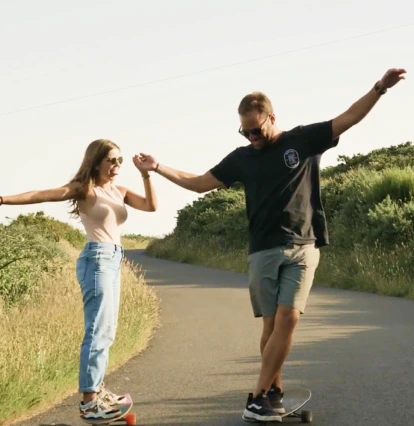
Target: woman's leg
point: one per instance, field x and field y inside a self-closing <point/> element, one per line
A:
<point x="108" y="396"/>
<point x="97" y="268"/>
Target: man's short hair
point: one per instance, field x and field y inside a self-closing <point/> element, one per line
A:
<point x="256" y="101"/>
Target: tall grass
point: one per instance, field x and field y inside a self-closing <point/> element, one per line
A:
<point x="135" y="241"/>
<point x="398" y="184"/>
<point x="375" y="269"/>
<point x="40" y="336"/>
<point x="210" y="252"/>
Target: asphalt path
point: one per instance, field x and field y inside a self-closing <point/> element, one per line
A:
<point x="355" y="351"/>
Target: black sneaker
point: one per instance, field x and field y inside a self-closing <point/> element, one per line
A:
<point x="259" y="408"/>
<point x="275" y="396"/>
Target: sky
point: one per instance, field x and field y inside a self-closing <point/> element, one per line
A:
<point x="166" y="78"/>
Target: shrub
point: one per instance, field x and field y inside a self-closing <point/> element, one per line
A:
<point x="24" y="255"/>
<point x="369" y="207"/>
<point x="219" y="214"/>
<point x="29" y="248"/>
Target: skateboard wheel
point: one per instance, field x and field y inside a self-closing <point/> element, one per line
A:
<point x="130" y="419"/>
<point x="306" y="416"/>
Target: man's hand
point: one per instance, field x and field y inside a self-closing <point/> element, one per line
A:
<point x="392" y="77"/>
<point x="363" y="106"/>
<point x="145" y="162"/>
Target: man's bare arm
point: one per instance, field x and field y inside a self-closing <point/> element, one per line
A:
<point x="197" y="183"/>
<point x="359" y="110"/>
<point x="354" y="114"/>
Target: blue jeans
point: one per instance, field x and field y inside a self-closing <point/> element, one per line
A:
<point x="98" y="270"/>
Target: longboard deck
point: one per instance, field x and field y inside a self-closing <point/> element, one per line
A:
<point x="123" y="411"/>
<point x="293" y="400"/>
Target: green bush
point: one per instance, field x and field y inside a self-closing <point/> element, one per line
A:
<point x="24" y="256"/>
<point x="369" y="206"/>
<point x="391" y="222"/>
<point x="396" y="183"/>
<point x="219" y="214"/>
<point x="29" y="248"/>
<point x="379" y="159"/>
<point x="50" y="228"/>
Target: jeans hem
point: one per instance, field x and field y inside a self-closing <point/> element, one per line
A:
<point x="88" y="390"/>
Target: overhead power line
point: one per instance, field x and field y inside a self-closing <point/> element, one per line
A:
<point x="147" y="83"/>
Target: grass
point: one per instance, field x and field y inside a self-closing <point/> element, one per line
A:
<point x="40" y="337"/>
<point x="198" y="251"/>
<point x="137" y="243"/>
<point x="374" y="269"/>
<point x="369" y="269"/>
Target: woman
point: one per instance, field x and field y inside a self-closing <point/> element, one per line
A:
<point x="101" y="207"/>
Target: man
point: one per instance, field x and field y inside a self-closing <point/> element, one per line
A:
<point x="280" y="173"/>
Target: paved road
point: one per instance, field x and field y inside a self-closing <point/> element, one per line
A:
<point x="355" y="351"/>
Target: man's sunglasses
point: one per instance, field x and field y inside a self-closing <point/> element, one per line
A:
<point x="113" y="160"/>
<point x="257" y="131"/>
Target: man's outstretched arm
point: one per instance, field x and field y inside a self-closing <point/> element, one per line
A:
<point x="363" y="106"/>
<point x="196" y="183"/>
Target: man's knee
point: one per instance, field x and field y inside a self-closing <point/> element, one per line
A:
<point x="268" y="326"/>
<point x="287" y="318"/>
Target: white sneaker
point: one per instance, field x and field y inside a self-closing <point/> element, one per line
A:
<point x="110" y="398"/>
<point x="98" y="410"/>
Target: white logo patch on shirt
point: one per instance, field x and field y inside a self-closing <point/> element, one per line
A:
<point x="291" y="157"/>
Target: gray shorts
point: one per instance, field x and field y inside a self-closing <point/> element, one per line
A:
<point x="281" y="276"/>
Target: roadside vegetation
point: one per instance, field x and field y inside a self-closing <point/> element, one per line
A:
<point x="41" y="317"/>
<point x="369" y="202"/>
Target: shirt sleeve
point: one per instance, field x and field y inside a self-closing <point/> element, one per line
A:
<point x="227" y="171"/>
<point x="320" y="136"/>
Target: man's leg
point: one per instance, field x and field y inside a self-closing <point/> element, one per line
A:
<point x="264" y="289"/>
<point x="268" y="326"/>
<point x="275" y="393"/>
<point x="295" y="282"/>
<point x="277" y="348"/>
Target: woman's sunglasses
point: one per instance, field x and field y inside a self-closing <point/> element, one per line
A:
<point x="113" y="160"/>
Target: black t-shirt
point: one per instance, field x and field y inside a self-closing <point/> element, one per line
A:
<point x="282" y="187"/>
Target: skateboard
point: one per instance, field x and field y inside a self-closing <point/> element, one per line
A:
<point x="124" y="417"/>
<point x="293" y="400"/>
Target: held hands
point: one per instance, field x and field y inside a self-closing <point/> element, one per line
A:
<point x="145" y="163"/>
<point x="392" y="77"/>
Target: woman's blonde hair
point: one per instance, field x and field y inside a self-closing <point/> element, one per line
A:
<point x="88" y="170"/>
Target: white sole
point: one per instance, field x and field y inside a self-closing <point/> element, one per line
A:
<point x="248" y="416"/>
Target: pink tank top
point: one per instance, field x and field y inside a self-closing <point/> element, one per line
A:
<point x="104" y="218"/>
